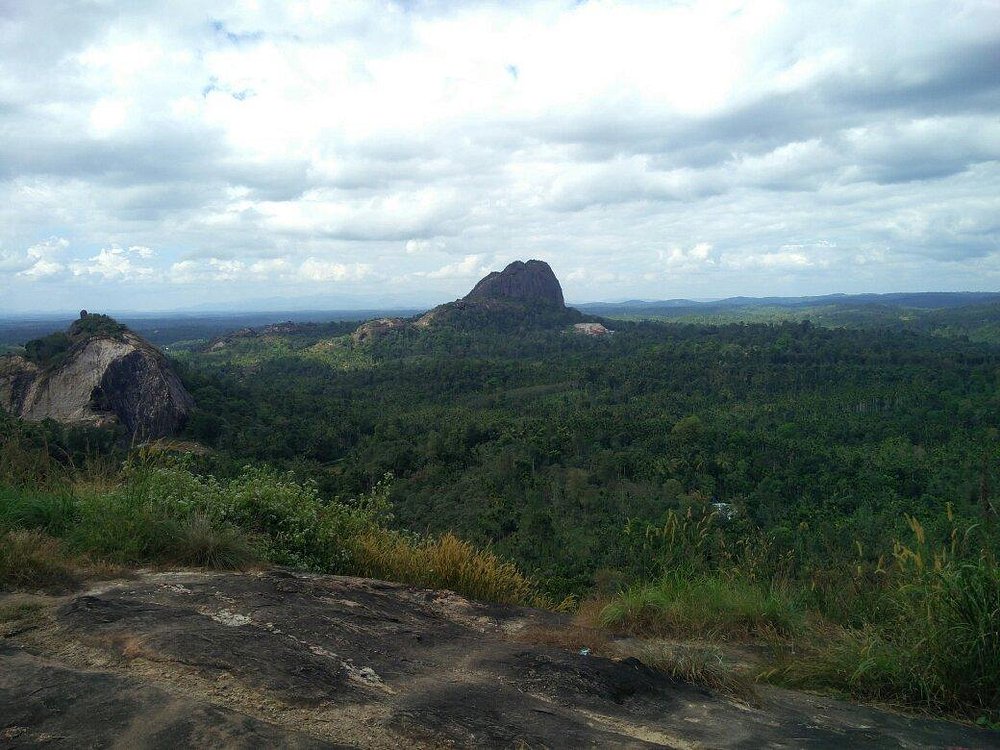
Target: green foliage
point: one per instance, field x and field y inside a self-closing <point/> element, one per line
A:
<point x="938" y="650"/>
<point x="704" y="606"/>
<point x="95" y="324"/>
<point x="48" y="350"/>
<point x="581" y="459"/>
<point x="156" y="511"/>
<point x="542" y="444"/>
<point x="39" y="455"/>
<point x="51" y="350"/>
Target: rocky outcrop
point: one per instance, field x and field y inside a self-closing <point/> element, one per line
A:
<point x="532" y="282"/>
<point x="591" y="329"/>
<point x="286" y="328"/>
<point x="281" y="659"/>
<point x="101" y="379"/>
<point x="373" y="329"/>
<point x="522" y="296"/>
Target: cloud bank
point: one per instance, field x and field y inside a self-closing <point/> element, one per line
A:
<point x="385" y="153"/>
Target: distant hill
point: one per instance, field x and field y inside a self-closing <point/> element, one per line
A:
<point x="916" y="300"/>
<point x="522" y="295"/>
<point x="975" y="315"/>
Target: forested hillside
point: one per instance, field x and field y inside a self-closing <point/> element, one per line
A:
<point x="823" y="495"/>
<point x="547" y="445"/>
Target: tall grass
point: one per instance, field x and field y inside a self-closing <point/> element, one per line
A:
<point x="32" y="559"/>
<point x="704" y="606"/>
<point x="919" y="626"/>
<point x="152" y="512"/>
<point x="937" y="645"/>
<point x="445" y="562"/>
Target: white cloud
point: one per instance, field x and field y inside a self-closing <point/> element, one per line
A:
<point x="115" y="263"/>
<point x="42" y="259"/>
<point x="777" y="260"/>
<point x="471" y="266"/>
<point x="698" y="255"/>
<point x="108" y="116"/>
<point x="314" y="269"/>
<point x="423" y="247"/>
<point x="645" y="149"/>
<point x="271" y="268"/>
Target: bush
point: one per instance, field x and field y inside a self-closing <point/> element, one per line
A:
<point x="53" y="512"/>
<point x="168" y="515"/>
<point x="204" y="543"/>
<point x="48" y="350"/>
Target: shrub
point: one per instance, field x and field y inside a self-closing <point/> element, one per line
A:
<point x="48" y="350"/>
<point x="204" y="543"/>
<point x="52" y="511"/>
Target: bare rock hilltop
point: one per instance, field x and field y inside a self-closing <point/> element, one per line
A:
<point x="282" y="659"/>
<point x="522" y="295"/>
<point x="532" y="282"/>
<point x="98" y="373"/>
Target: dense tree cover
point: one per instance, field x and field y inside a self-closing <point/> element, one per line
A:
<point x="47" y="349"/>
<point x="557" y="448"/>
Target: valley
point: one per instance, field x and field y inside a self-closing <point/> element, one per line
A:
<point x="744" y="506"/>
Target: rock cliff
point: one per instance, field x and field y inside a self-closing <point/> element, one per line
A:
<point x="96" y="374"/>
<point x="379" y="327"/>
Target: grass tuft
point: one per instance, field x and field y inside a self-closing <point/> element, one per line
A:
<point x="703" y="605"/>
<point x="699" y="665"/>
<point x="203" y="543"/>
<point x="446" y="562"/>
<point x="31" y="560"/>
<point x="940" y="652"/>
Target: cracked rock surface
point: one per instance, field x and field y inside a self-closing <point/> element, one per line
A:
<point x="278" y="659"/>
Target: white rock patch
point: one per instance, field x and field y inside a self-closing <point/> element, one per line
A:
<point x="231" y="619"/>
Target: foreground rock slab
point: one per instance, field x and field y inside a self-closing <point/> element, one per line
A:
<point x="277" y="659"/>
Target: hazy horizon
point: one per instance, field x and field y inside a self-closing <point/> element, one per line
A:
<point x="279" y="306"/>
<point x="389" y="154"/>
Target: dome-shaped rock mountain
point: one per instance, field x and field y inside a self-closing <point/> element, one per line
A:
<point x="531" y="282"/>
<point x="99" y="373"/>
<point x="521" y="296"/>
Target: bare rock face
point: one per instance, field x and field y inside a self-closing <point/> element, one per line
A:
<point x="531" y="282"/>
<point x="522" y="296"/>
<point x="100" y="380"/>
<point x="525" y="295"/>
<point x="280" y="659"/>
<point x="591" y="329"/>
<point x="286" y="328"/>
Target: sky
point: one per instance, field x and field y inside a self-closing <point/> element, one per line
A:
<point x="158" y="156"/>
